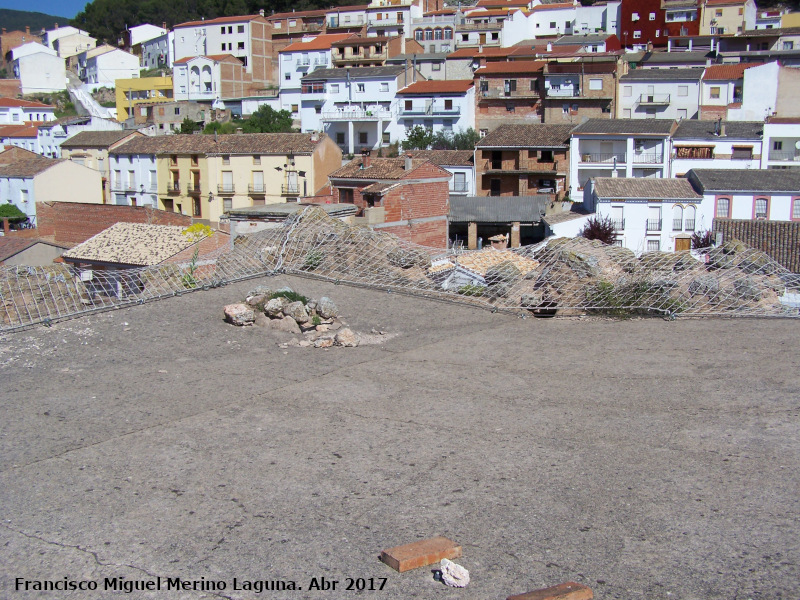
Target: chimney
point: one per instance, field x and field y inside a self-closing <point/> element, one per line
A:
<point x="55" y="25"/>
<point x="407" y="166"/>
<point x="549" y="46"/>
<point x="164" y="25"/>
<point x="649" y="46"/>
<point x="314" y="136"/>
<point x="4" y="30"/>
<point x="27" y="30"/>
<point x="722" y="128"/>
<point x="261" y="12"/>
<point x="239" y="131"/>
<point x="366" y="160"/>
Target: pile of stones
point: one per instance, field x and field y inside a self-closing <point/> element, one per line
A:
<point x="285" y="310"/>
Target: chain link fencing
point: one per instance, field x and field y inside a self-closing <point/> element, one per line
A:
<point x="557" y="277"/>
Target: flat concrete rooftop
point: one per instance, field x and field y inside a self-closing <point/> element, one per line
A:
<point x="647" y="459"/>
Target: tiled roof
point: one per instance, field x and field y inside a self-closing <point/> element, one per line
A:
<point x="245" y="143"/>
<point x="132" y="244"/>
<point x="218" y="21"/>
<point x="625" y="126"/>
<point x="644" y="188"/>
<point x="689" y="129"/>
<point x="578" y="211"/>
<point x="553" y="6"/>
<point x="15" y="102"/>
<point x="446" y="158"/>
<point x="24" y="130"/>
<point x="501" y="3"/>
<point x="361" y="40"/>
<point x="725" y="2"/>
<point x="284" y="209"/>
<point x="434" y="86"/>
<point x="214" y="57"/>
<point x="492" y="12"/>
<point x="581" y="39"/>
<point x="302" y="14"/>
<point x="746" y="180"/>
<point x="726" y="72"/>
<point x="356" y="72"/>
<point x="11" y="245"/>
<point x="517" y="66"/>
<point x="535" y="135"/>
<point x="497" y="209"/>
<point x="97" y="139"/>
<point x="16" y="162"/>
<point x="379" y="168"/>
<point x="779" y="239"/>
<point x="321" y="42"/>
<point x="663" y="75"/>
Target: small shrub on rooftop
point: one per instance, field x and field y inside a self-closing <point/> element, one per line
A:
<point x="291" y="296"/>
<point x="599" y="228"/>
<point x="703" y="239"/>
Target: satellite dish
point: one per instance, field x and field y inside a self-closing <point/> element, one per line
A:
<point x="797" y="144"/>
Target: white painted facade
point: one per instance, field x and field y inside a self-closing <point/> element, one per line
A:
<point x="339" y="17"/>
<point x="448" y="112"/>
<point x="16" y="115"/>
<point x="73" y="44"/>
<point x="52" y="35"/>
<point x="31" y="48"/>
<point x="600" y="17"/>
<point x="552" y="19"/>
<point x="759" y="93"/>
<point x="668" y="98"/>
<point x="52" y="135"/>
<point x="728" y="153"/>
<point x="158" y="52"/>
<point x="40" y="72"/>
<point x="133" y="176"/>
<point x="435" y="33"/>
<point x="384" y="19"/>
<point x="781" y="146"/>
<point x="104" y="69"/>
<point x="779" y="206"/>
<point x="144" y="32"/>
<point x="216" y="37"/>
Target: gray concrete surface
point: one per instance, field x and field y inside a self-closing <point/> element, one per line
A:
<point x="647" y="459"/>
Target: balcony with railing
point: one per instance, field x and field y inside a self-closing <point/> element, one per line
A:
<point x="256" y="189"/>
<point x="174" y="187"/>
<point x="653" y="100"/>
<point x="360" y="56"/>
<point x="603" y="158"/>
<point x="357" y="115"/>
<point x="653" y="225"/>
<point x="429" y="109"/>
<point x="520" y="165"/>
<point x="648" y="158"/>
<point x="193" y="189"/>
<point x="460" y="187"/>
<point x="562" y="92"/>
<point x="688" y="224"/>
<point x="226" y="188"/>
<point x="677" y="224"/>
<point x="290" y="189"/>
<point x="619" y="224"/>
<point x="479" y="26"/>
<point x="119" y="186"/>
<point x="787" y="155"/>
<point x="504" y="93"/>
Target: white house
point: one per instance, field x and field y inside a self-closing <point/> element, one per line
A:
<point x="20" y="136"/>
<point x="27" y="178"/>
<point x="14" y="111"/>
<point x="299" y="59"/>
<point x="133" y="178"/>
<point x="630" y="148"/>
<point x="659" y="94"/>
<point x="459" y="163"/>
<point x="391" y="18"/>
<point x="772" y="195"/>
<point x="102" y="70"/>
<point x="447" y="106"/>
<point x="436" y="31"/>
<point x="781" y="143"/>
<point x="721" y="88"/>
<point x="768" y="89"/>
<point x="143" y="33"/>
<point x="597" y="17"/>
<point x="73" y="44"/>
<point x="52" y="134"/>
<point x="158" y="52"/>
<point x="340" y="17"/>
<point x="553" y="18"/>
<point x="208" y="78"/>
<point x="52" y="35"/>
<point x="716" y="145"/>
<point x="356" y="107"/>
<point x="39" y="69"/>
<point x="649" y="214"/>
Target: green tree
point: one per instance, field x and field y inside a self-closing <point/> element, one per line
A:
<point x="189" y="126"/>
<point x="12" y="213"/>
<point x="466" y="140"/>
<point x="418" y="138"/>
<point x="268" y="120"/>
<point x="221" y="128"/>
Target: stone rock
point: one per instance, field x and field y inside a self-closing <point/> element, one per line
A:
<point x="333" y="326"/>
<point x="501" y="277"/>
<point x="532" y="300"/>
<point x="239" y="314"/>
<point x="259" y="290"/>
<point x="405" y="259"/>
<point x="274" y="308"/>
<point x="297" y="311"/>
<point x="326" y="309"/>
<point x="304" y="344"/>
<point x="747" y="288"/>
<point x="346" y="338"/>
<point x="323" y="342"/>
<point x="256" y="300"/>
<point x="311" y="306"/>
<point x="454" y="575"/>
<point x="285" y="289"/>
<point x="322" y="328"/>
<point x="287" y="324"/>
<point x="582" y="264"/>
<point x="703" y="285"/>
<point x="262" y="320"/>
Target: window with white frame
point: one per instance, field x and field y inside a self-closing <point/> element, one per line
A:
<point x="634" y="16"/>
<point x="334" y="88"/>
<point x="653" y="245"/>
<point x="683" y="90"/>
<point x="652" y="16"/>
<point x="627" y="91"/>
<point x="723" y="208"/>
<point x="595" y="84"/>
<point x="637" y="35"/>
<point x="360" y="88"/>
<point x="761" y="208"/>
<point x="384" y="87"/>
<point x="796" y="209"/>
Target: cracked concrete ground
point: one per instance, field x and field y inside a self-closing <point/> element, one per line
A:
<point x="647" y="459"/>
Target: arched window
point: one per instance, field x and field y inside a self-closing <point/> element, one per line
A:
<point x="194" y="79"/>
<point x="761" y="209"/>
<point x="689" y="217"/>
<point x="206" y="77"/>
<point x="428" y="34"/>
<point x="677" y="217"/>
<point x="418" y="34"/>
<point x="437" y="34"/>
<point x="723" y="208"/>
<point x="448" y="33"/>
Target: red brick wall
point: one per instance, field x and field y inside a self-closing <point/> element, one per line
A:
<point x="73" y="223"/>
<point x="431" y="233"/>
<point x="417" y="201"/>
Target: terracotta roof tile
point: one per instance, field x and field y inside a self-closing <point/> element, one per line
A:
<point x="98" y="139"/>
<point x="434" y="86"/>
<point x="361" y="40"/>
<point x="26" y="130"/>
<point x="245" y="143"/>
<point x="445" y="158"/>
<point x="778" y="239"/>
<point x="16" y="162"/>
<point x="239" y="19"/>
<point x="517" y="66"/>
<point x="12" y="102"/>
<point x="726" y="72"/>
<point x="379" y="168"/>
<point x="637" y="188"/>
<point x="321" y="42"/>
<point x="538" y="135"/>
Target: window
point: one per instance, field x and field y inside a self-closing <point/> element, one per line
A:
<point x="418" y="35"/>
<point x="595" y="84"/>
<point x="177" y="110"/>
<point x="222" y="31"/>
<point x="196" y="207"/>
<point x="741" y="12"/>
<point x="788" y="45"/>
<point x="553" y="25"/>
<point x="723" y="208"/>
<point x="318" y="109"/>
<point x="339" y="137"/>
<point x="534" y="84"/>
<point x="742" y="153"/>
<point x="464" y="37"/>
<point x="346" y="195"/>
<point x="652" y="16"/>
<point x="226" y="159"/>
<point x="362" y="137"/>
<point x="483" y="133"/>
<point x="230" y="29"/>
<point x="653" y="245"/>
<point x="334" y="88"/>
<point x="637" y="35"/>
<point x="437" y="34"/>
<point x="384" y="87"/>
<point x="447" y="125"/>
<point x="677" y="217"/>
<point x="460" y="183"/>
<point x="483" y="85"/>
<point x="448" y="105"/>
<point x="760" y="209"/>
<point x="495" y="36"/>
<point x="777" y="145"/>
<point x="510" y="86"/>
<point x="240" y="46"/>
<point x="287" y="76"/>
<point x="295" y="108"/>
<point x="626" y="113"/>
<point x="23" y="194"/>
<point x="195" y="160"/>
<point x="796" y="209"/>
<point x="360" y="88"/>
<point x="223" y="46"/>
<point x="565" y="109"/>
<point x="634" y="16"/>
<point x="718" y="12"/>
<point x="386" y="138"/>
<point x="627" y="91"/>
<point x="436" y="67"/>
<point x="227" y="204"/>
<point x="256" y="160"/>
<point x="494" y="187"/>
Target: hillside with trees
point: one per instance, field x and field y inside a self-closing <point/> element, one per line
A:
<point x="17" y="20"/>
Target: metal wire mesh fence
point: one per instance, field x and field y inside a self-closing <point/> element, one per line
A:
<point x="561" y="276"/>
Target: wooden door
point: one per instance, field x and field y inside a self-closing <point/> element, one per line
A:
<point x="683" y="244"/>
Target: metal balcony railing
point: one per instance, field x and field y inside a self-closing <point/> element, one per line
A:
<point x="226" y="188"/>
<point x="174" y="187"/>
<point x="565" y="92"/>
<point x="784" y="155"/>
<point x="495" y="93"/>
<point x="619" y="224"/>
<point x="647" y="158"/>
<point x="592" y="157"/>
<point x="688" y="224"/>
<point x="356" y="115"/>
<point x="290" y="190"/>
<point x="653" y="99"/>
<point x="193" y="188"/>
<point x="521" y="165"/>
<point x="433" y="109"/>
<point x="653" y="224"/>
<point x="677" y="224"/>
<point x="256" y="188"/>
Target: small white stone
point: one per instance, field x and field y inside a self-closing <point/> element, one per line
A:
<point x="454" y="575"/>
